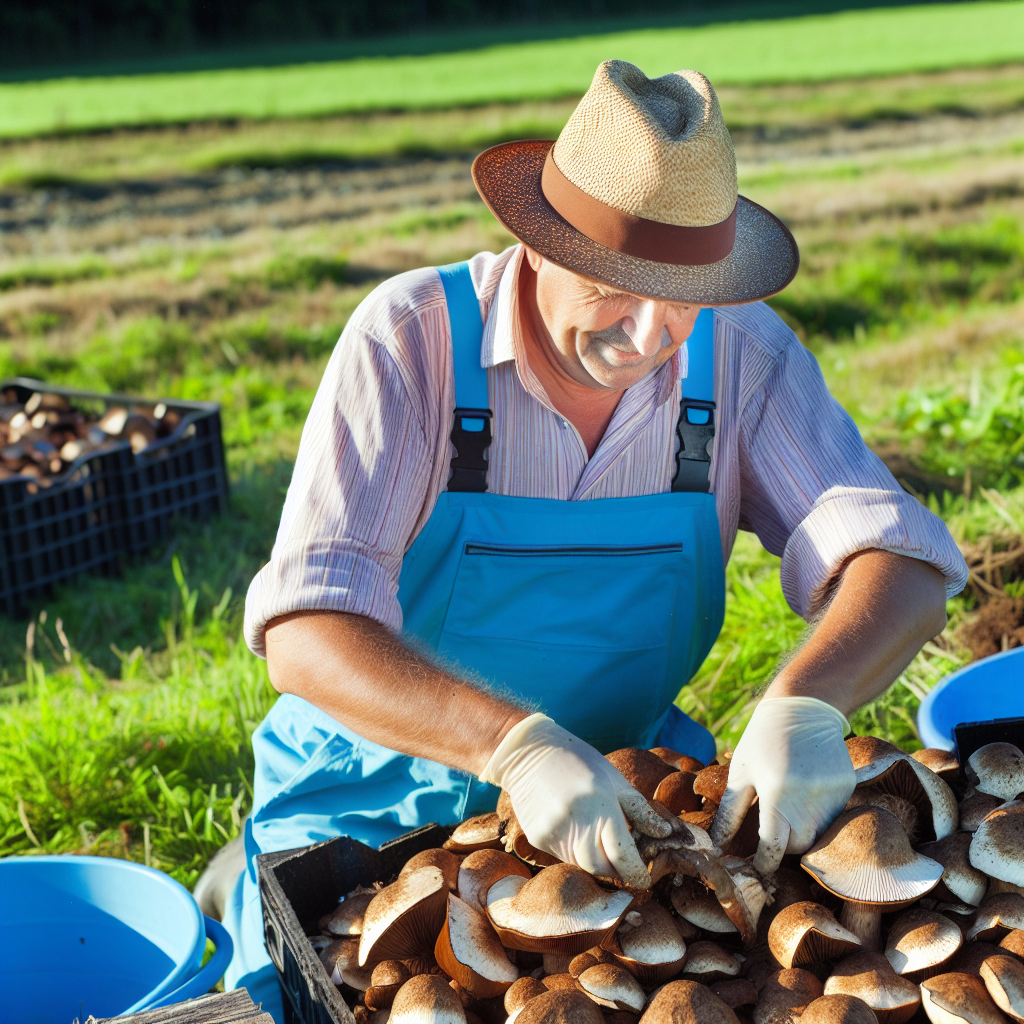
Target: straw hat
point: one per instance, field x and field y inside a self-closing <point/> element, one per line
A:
<point x="639" y="191"/>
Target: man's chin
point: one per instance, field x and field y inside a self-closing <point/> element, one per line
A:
<point x="617" y="378"/>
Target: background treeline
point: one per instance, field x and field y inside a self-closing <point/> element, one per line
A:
<point x="53" y="34"/>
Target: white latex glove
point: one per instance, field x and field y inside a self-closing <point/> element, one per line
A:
<point x="792" y="755"/>
<point x="570" y="801"/>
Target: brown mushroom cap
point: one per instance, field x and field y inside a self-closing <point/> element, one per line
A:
<point x="649" y="944"/>
<point x="514" y="838"/>
<point x="697" y="904"/>
<point x="1013" y="943"/>
<point x="468" y="949"/>
<point x="341" y="960"/>
<point x="675" y="791"/>
<point x="642" y="769"/>
<point x="974" y="809"/>
<point x="520" y="992"/>
<point x="481" y="869"/>
<point x="942" y="762"/>
<point x="560" y="1006"/>
<point x="998" y="842"/>
<point x="561" y="908"/>
<point x="480" y="833"/>
<point x="591" y="958"/>
<point x="427" y="999"/>
<point x="920" y="942"/>
<point x="1004" y="978"/>
<point x="404" y="919"/>
<point x="708" y="961"/>
<point x="997" y="915"/>
<point x="687" y="1002"/>
<point x="865" y="856"/>
<point x="807" y="933"/>
<point x="838" y="1009"/>
<point x="997" y="769"/>
<point x="970" y="957"/>
<point x="445" y="860"/>
<point x="735" y="992"/>
<point x="612" y="986"/>
<point x="711" y="782"/>
<point x="347" y="917"/>
<point x="385" y="981"/>
<point x="785" y="995"/>
<point x="869" y="976"/>
<point x="960" y="877"/>
<point x="683" y="762"/>
<point x="954" y="998"/>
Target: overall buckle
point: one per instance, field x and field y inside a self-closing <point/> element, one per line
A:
<point x="471" y="435"/>
<point x="693" y="456"/>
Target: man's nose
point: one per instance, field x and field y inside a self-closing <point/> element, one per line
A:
<point x="650" y="323"/>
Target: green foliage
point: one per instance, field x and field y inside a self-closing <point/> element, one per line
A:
<point x="874" y="42"/>
<point x="289" y="271"/>
<point x="51" y="273"/>
<point x="894" y="280"/>
<point x="949" y="431"/>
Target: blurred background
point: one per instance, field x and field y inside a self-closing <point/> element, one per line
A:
<point x="195" y="196"/>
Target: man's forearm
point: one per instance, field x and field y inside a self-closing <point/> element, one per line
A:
<point x="885" y="609"/>
<point x="363" y="676"/>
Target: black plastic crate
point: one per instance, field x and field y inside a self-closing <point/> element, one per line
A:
<point x="297" y="887"/>
<point x="108" y="504"/>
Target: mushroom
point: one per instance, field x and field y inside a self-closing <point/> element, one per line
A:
<point x="561" y="909"/>
<point x="974" y="809"/>
<point x="711" y="782"/>
<point x="865" y="858"/>
<point x="553" y="981"/>
<point x="649" y="945"/>
<point x="481" y="869"/>
<point x="997" y="848"/>
<point x="347" y="918"/>
<point x="480" y="833"/>
<point x="1004" y="978"/>
<point x="642" y="769"/>
<point x="942" y="762"/>
<point x="675" y="791"/>
<point x="683" y="762"/>
<point x="996" y="916"/>
<point x="807" y="933"/>
<point x="958" y="998"/>
<point x="1013" y="943"/>
<point x="838" y="1009"/>
<point x="613" y="987"/>
<point x="708" y="961"/>
<point x="427" y="999"/>
<point x="514" y="838"/>
<point x="869" y="976"/>
<point x="385" y="981"/>
<point x="341" y="960"/>
<point x="446" y="861"/>
<point x="520" y="992"/>
<point x="557" y="963"/>
<point x="735" y="992"/>
<point x="970" y="957"/>
<point x="470" y="952"/>
<point x="687" y="1002"/>
<point x="560" y="1006"/>
<point x="997" y="769"/>
<point x="785" y="995"/>
<point x="920" y="942"/>
<point x="591" y="958"/>
<point x="961" y="880"/>
<point x="404" y="919"/>
<point x="885" y="769"/>
<point x="696" y="903"/>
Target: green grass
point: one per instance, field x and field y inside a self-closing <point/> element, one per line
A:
<point x="849" y="44"/>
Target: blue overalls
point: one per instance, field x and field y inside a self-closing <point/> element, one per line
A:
<point x="595" y="612"/>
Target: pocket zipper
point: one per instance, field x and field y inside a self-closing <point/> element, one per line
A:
<point x="571" y="550"/>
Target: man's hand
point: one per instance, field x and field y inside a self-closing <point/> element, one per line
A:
<point x="792" y="755"/>
<point x="570" y="801"/>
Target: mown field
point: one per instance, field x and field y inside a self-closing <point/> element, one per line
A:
<point x="222" y="261"/>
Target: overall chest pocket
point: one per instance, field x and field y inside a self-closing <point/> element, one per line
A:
<point x="584" y="632"/>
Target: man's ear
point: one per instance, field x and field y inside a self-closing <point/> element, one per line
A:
<point x="534" y="259"/>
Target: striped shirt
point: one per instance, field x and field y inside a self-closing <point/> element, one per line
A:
<point x="788" y="463"/>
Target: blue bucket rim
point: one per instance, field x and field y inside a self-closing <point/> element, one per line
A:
<point x="925" y="722"/>
<point x="183" y="971"/>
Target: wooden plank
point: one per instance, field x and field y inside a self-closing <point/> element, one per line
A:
<point x="235" y="1007"/>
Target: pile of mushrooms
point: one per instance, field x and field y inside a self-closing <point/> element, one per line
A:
<point x="909" y="905"/>
<point x="43" y="436"/>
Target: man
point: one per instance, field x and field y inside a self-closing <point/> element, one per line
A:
<point x="501" y="593"/>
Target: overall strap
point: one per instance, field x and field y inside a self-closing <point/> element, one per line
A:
<point x="471" y="422"/>
<point x="696" y="426"/>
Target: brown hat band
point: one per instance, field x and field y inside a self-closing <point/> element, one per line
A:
<point x="635" y="236"/>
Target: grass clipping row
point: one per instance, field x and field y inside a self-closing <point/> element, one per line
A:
<point x="911" y="903"/>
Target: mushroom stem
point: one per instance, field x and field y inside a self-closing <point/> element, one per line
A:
<point x="865" y="921"/>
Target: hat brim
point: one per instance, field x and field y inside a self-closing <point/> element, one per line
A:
<point x="763" y="260"/>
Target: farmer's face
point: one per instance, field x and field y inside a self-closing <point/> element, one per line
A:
<point x="600" y="337"/>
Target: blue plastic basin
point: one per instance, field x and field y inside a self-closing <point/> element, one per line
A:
<point x="93" y="935"/>
<point x="990" y="688"/>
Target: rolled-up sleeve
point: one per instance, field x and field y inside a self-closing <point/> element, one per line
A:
<point x="815" y="494"/>
<point x="361" y="483"/>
